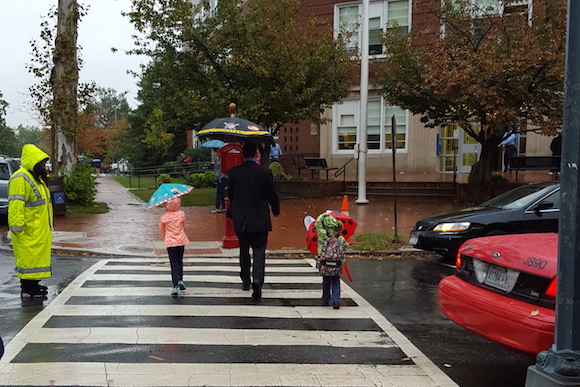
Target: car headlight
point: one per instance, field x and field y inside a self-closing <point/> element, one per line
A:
<point x="452" y="227"/>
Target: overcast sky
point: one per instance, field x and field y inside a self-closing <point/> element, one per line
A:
<point x="102" y="28"/>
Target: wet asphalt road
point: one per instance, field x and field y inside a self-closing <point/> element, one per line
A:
<point x="403" y="290"/>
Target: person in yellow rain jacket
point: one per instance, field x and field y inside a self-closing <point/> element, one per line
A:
<point x="30" y="221"/>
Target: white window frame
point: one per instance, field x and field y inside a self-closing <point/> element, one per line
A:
<point x="376" y="9"/>
<point x="349" y="107"/>
<point x="499" y="8"/>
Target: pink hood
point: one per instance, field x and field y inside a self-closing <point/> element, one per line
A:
<point x="172" y="224"/>
<point x="173" y="205"/>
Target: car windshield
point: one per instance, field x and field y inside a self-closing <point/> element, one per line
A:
<point x="517" y="198"/>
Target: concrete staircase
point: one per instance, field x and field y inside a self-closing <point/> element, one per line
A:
<point x="405" y="189"/>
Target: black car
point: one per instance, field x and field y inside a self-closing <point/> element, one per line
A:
<point x="525" y="209"/>
<point x="8" y="165"/>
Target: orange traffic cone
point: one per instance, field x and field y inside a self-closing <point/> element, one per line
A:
<point x="344" y="208"/>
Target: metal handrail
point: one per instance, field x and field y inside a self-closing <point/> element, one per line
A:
<point x="342" y="171"/>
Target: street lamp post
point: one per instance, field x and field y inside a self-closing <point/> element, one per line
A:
<point x="560" y="366"/>
<point x="364" y="96"/>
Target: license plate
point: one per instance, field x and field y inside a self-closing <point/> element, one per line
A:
<point x="497" y="278"/>
<point x="413" y="240"/>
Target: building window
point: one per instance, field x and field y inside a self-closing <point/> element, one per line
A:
<point x="400" y="129"/>
<point x="374" y="125"/>
<point x="498" y="7"/>
<point x="383" y="15"/>
<point x="348" y="21"/>
<point x="202" y="10"/>
<point x="379" y="118"/>
<point x="398" y="15"/>
<point x="346" y="131"/>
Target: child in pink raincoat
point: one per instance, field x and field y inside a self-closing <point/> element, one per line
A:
<point x="172" y="229"/>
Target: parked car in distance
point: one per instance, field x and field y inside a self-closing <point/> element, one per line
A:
<point x="122" y="166"/>
<point x="504" y="290"/>
<point x="529" y="208"/>
<point x="8" y="165"/>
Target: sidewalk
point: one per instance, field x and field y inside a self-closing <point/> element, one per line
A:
<point x="127" y="229"/>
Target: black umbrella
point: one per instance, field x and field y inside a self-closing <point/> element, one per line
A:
<point x="234" y="129"/>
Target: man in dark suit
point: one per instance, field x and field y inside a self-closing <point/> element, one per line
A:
<point x="252" y="192"/>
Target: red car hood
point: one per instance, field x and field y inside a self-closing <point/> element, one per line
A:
<point x="531" y="253"/>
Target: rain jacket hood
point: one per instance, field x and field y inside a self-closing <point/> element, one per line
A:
<point x="326" y="225"/>
<point x="173" y="205"/>
<point x="31" y="155"/>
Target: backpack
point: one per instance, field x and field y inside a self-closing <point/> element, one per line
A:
<point x="330" y="260"/>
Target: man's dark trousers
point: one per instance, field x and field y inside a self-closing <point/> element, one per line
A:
<point x="258" y="242"/>
<point x="510" y="151"/>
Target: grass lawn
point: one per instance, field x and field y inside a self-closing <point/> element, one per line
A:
<point x="197" y="197"/>
<point x="96" y="208"/>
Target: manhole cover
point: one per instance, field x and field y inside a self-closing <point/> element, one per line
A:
<point x="135" y="249"/>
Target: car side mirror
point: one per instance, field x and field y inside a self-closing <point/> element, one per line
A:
<point x="543" y="206"/>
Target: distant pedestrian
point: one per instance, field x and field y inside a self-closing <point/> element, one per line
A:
<point x="221" y="182"/>
<point x="509" y="144"/>
<point x="556" y="145"/>
<point x="30" y="219"/>
<point x="275" y="152"/>
<point x="330" y="259"/>
<point x="184" y="161"/>
<point x="252" y="193"/>
<point x="172" y="229"/>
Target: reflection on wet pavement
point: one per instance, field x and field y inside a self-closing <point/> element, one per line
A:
<point x="128" y="223"/>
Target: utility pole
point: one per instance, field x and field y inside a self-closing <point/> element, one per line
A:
<point x="364" y="97"/>
<point x="560" y="365"/>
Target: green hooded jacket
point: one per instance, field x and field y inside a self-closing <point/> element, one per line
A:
<point x="30" y="218"/>
<point x="326" y="225"/>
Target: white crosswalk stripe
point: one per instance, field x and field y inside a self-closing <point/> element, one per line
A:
<point x="117" y="325"/>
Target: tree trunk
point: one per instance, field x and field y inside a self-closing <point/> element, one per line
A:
<point x="64" y="81"/>
<point x="481" y="173"/>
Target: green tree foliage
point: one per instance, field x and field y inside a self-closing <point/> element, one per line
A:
<point x="257" y="54"/>
<point x="29" y="135"/>
<point x="9" y="144"/>
<point x="110" y="106"/>
<point x="493" y="71"/>
<point x="3" y="106"/>
<point x="104" y="125"/>
<point x="156" y="136"/>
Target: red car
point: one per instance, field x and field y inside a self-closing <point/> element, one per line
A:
<point x="504" y="290"/>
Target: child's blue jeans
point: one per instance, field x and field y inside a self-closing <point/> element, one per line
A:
<point x="331" y="287"/>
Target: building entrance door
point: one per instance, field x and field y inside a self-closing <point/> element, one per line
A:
<point x="458" y="151"/>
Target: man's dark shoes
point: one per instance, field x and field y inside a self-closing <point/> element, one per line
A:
<point x="246" y="287"/>
<point x="257" y="294"/>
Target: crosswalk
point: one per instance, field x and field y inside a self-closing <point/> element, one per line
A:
<point x="117" y="325"/>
